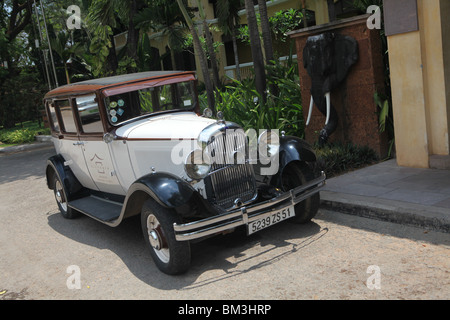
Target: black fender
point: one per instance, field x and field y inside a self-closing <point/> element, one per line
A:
<point x="71" y="185"/>
<point x="292" y="149"/>
<point x="167" y="189"/>
<point x="295" y="149"/>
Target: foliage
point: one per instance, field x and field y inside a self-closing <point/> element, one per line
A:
<point x="17" y="136"/>
<point x="385" y="120"/>
<point x="25" y="88"/>
<point x="337" y="158"/>
<point x="189" y="43"/>
<point x="241" y="103"/>
<point x="125" y="65"/>
<point x="284" y="21"/>
<point x="281" y="23"/>
<point x="362" y="5"/>
<point x="24" y="134"/>
<point x="165" y="18"/>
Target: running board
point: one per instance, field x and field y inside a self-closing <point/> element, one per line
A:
<point x="97" y="208"/>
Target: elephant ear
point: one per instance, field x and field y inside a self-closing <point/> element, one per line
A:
<point x="346" y="55"/>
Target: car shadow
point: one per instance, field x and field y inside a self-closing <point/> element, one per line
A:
<point x="231" y="255"/>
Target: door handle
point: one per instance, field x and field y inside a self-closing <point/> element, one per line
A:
<point x="79" y="143"/>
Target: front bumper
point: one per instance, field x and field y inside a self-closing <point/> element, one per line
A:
<point x="245" y="214"/>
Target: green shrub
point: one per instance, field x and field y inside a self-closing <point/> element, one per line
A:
<point x="337" y="158"/>
<point x="24" y="134"/>
<point x="18" y="136"/>
<point x="241" y="103"/>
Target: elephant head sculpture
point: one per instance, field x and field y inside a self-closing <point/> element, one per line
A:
<point x="327" y="58"/>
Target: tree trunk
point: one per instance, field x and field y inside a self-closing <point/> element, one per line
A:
<point x="201" y="55"/>
<point x="133" y="35"/>
<point x="266" y="33"/>
<point x="236" y="54"/>
<point x="305" y="22"/>
<point x="267" y="41"/>
<point x="212" y="55"/>
<point x="67" y="73"/>
<point x="255" y="44"/>
<point x="113" y="64"/>
<point x="331" y="10"/>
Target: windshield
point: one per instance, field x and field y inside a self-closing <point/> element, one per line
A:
<point x="129" y="105"/>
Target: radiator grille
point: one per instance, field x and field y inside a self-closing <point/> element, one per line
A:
<point x="231" y="176"/>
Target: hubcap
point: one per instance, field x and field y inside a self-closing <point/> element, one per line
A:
<point x="156" y="239"/>
<point x="59" y="195"/>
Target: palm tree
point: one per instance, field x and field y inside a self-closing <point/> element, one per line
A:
<point x="107" y="15"/>
<point x="61" y="44"/>
<point x="227" y="14"/>
<point x="166" y="19"/>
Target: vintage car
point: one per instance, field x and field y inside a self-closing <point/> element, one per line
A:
<point x="137" y="144"/>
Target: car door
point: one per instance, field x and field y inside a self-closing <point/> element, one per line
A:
<point x="96" y="152"/>
<point x="67" y="141"/>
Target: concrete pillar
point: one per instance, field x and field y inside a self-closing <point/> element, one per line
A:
<point x="419" y="67"/>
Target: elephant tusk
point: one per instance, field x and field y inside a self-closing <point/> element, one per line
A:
<point x="311" y="104"/>
<point x="328" y="98"/>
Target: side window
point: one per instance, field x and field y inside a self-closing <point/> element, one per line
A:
<point x="53" y="118"/>
<point x="67" y="118"/>
<point x="89" y="114"/>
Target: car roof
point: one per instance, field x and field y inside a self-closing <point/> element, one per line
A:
<point x="89" y="86"/>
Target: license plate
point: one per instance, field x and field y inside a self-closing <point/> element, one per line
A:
<point x="270" y="220"/>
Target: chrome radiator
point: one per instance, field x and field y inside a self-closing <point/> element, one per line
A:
<point x="232" y="177"/>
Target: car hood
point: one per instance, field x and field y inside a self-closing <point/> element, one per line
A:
<point x="184" y="125"/>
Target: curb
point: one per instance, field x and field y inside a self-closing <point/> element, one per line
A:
<point x="41" y="142"/>
<point x="431" y="218"/>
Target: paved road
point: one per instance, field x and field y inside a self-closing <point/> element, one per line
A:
<point x="336" y="256"/>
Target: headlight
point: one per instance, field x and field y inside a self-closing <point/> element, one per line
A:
<point x="197" y="165"/>
<point x="269" y="143"/>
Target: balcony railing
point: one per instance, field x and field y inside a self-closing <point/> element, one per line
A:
<point x="246" y="68"/>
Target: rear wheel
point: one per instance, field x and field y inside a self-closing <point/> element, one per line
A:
<point x="61" y="199"/>
<point x="170" y="256"/>
<point x="295" y="175"/>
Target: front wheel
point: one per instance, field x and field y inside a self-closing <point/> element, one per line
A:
<point x="295" y="175"/>
<point x="170" y="256"/>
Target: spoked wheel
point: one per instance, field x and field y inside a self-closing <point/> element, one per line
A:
<point x="295" y="175"/>
<point x="61" y="199"/>
<point x="170" y="256"/>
